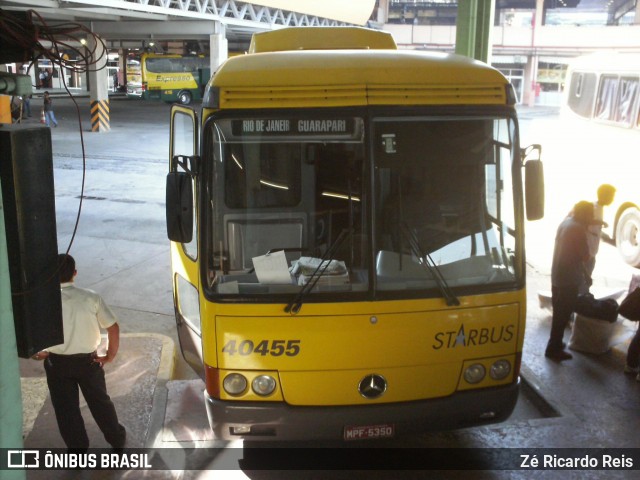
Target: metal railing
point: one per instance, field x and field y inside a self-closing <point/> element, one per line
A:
<point x="225" y="11"/>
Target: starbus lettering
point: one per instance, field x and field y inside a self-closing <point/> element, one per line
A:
<point x="473" y="337"/>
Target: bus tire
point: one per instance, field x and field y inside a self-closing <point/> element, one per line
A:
<point x="628" y="236"/>
<point x="184" y="97"/>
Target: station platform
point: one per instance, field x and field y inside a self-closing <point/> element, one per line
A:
<point x="582" y="403"/>
<point x="585" y="402"/>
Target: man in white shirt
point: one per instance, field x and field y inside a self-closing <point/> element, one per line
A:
<point x="74" y="364"/>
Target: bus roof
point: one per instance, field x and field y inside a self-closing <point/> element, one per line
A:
<point x="321" y="38"/>
<point x="348" y="66"/>
<point x="607" y="62"/>
<point x="356" y="77"/>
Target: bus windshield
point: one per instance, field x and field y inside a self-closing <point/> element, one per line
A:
<point x="389" y="208"/>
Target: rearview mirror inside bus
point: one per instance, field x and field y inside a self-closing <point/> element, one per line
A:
<point x="534" y="189"/>
<point x="179" y="207"/>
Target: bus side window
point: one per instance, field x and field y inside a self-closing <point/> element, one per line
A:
<point x="579" y="81"/>
<point x="607" y="95"/>
<point x="626" y="100"/>
<point x="583" y="88"/>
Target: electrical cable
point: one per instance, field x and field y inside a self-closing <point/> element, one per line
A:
<point x="31" y="33"/>
<point x="27" y="33"/>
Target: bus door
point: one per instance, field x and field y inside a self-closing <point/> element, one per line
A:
<point x="182" y="229"/>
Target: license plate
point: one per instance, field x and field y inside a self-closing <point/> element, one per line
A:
<point x="366" y="432"/>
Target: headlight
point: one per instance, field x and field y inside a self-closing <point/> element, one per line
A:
<point x="234" y="384"/>
<point x="500" y="370"/>
<point x="475" y="373"/>
<point x="263" y="385"/>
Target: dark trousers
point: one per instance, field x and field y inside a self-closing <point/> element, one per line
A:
<point x="66" y="375"/>
<point x="633" y="354"/>
<point x="563" y="300"/>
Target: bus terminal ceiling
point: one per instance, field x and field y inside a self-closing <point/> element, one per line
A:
<point x="126" y="23"/>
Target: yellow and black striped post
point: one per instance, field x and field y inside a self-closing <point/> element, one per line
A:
<point x="100" y="116"/>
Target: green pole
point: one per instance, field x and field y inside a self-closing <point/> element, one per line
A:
<point x="10" y="396"/>
<point x="473" y="29"/>
<point x="466" y="28"/>
<point x="484" y="25"/>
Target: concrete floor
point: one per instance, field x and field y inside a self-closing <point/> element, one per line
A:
<point x="122" y="253"/>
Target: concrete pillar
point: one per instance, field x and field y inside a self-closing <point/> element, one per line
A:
<point x="636" y="20"/>
<point x="531" y="70"/>
<point x="11" y="396"/>
<point x="218" y="47"/>
<point x="122" y="66"/>
<point x="538" y="18"/>
<point x="530" y="83"/>
<point x="474" y="24"/>
<point x="383" y="11"/>
<point x="99" y="87"/>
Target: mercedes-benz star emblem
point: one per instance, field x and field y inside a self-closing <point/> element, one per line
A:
<point x="372" y="386"/>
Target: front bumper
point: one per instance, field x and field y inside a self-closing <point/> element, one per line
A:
<point x="279" y="421"/>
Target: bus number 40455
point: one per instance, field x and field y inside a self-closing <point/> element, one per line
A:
<point x="275" y="348"/>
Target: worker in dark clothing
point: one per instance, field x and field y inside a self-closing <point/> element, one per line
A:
<point x="568" y="274"/>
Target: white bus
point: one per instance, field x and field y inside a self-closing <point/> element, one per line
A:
<point x="604" y="90"/>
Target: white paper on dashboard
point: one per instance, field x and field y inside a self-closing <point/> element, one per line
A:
<point x="229" y="287"/>
<point x="272" y="268"/>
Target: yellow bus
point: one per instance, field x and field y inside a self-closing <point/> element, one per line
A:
<point x="602" y="97"/>
<point x="347" y="239"/>
<point x="167" y="77"/>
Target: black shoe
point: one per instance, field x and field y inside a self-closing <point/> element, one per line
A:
<point x="122" y="440"/>
<point x="558" y="355"/>
<point x="78" y="450"/>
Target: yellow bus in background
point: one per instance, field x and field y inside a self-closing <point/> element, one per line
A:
<point x="167" y="77"/>
<point x="602" y="97"/>
<point x="347" y="239"/>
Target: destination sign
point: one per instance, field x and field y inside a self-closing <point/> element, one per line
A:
<point x="294" y="126"/>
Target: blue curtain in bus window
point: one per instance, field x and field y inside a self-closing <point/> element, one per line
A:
<point x="626" y="100"/>
<point x="605" y="105"/>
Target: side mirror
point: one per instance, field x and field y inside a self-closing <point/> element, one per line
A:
<point x="179" y="205"/>
<point x="534" y="189"/>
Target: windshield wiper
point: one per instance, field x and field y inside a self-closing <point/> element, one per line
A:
<point x="429" y="265"/>
<point x="295" y="306"/>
